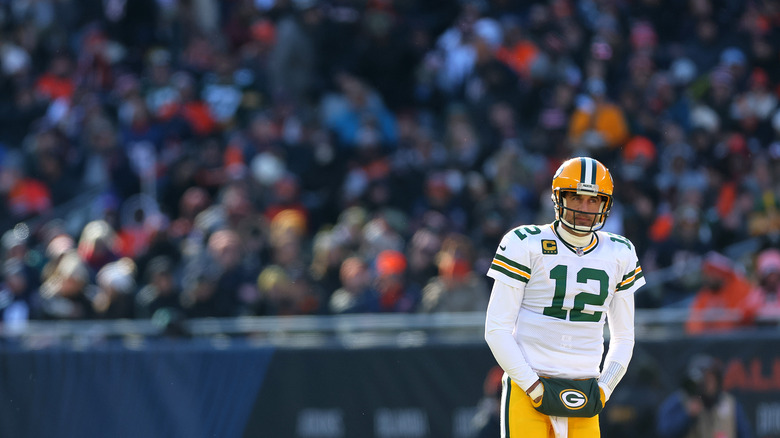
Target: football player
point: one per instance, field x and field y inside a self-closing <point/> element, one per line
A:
<point x="555" y="286"/>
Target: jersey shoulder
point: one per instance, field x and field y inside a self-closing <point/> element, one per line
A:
<point x="616" y="241"/>
<point x="525" y="240"/>
<point x="624" y="252"/>
<point x="516" y="253"/>
<point x="525" y="234"/>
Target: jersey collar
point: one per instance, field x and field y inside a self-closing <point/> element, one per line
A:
<point x="576" y="250"/>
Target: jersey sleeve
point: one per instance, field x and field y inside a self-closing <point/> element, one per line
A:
<point x="510" y="268"/>
<point x="633" y="277"/>
<point x="620" y="317"/>
<point x="502" y="313"/>
<point x="511" y="263"/>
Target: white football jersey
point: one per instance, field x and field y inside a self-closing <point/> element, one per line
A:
<point x="566" y="294"/>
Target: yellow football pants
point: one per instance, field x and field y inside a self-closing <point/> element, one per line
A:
<point x="519" y="419"/>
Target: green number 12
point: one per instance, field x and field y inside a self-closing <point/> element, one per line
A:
<point x="556" y="310"/>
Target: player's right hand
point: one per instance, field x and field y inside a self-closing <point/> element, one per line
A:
<point x="536" y="391"/>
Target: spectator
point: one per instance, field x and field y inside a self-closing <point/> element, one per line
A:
<point x="518" y="50"/>
<point x="294" y="56"/>
<point x="16" y="247"/>
<point x="97" y="245"/>
<point x="160" y="291"/>
<point x="453" y="58"/>
<point x="421" y="259"/>
<point x="226" y="251"/>
<point x="701" y="408"/>
<point x="597" y="125"/>
<point x="198" y="295"/>
<point x="767" y="284"/>
<point x="391" y="283"/>
<point x="358" y="115"/>
<point x="679" y="242"/>
<point x="327" y="256"/>
<point x="762" y="219"/>
<point x="725" y="300"/>
<point x="356" y="295"/>
<point x="280" y="296"/>
<point x="57" y="82"/>
<point x="116" y="288"/>
<point x="19" y="299"/>
<point x="384" y="50"/>
<point x="66" y="289"/>
<point x="457" y="288"/>
<point x="106" y="165"/>
<point x="24" y="196"/>
<point x="287" y="231"/>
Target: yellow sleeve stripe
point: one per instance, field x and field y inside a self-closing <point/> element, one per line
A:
<point x="503" y="267"/>
<point x="632" y="278"/>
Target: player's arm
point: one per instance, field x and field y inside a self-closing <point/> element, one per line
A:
<point x="620" y="320"/>
<point x="502" y="312"/>
<point x="621" y="342"/>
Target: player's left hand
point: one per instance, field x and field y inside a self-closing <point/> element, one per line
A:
<point x="602" y="396"/>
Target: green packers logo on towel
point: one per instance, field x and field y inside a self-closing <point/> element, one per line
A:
<point x="570" y="397"/>
<point x="549" y="247"/>
<point x="573" y="399"/>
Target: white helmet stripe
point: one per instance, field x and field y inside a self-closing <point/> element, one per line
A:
<point x="588" y="170"/>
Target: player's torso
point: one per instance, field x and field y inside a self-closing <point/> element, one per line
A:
<point x="566" y="285"/>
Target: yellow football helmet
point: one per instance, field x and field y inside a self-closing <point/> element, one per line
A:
<point x="584" y="176"/>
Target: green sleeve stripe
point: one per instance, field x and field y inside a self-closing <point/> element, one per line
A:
<point x="632" y="273"/>
<point x="513" y="263"/>
<point x="628" y="286"/>
<point x="508" y="273"/>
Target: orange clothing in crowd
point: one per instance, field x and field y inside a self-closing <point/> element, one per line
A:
<point x="29" y="196"/>
<point x="55" y="87"/>
<point x="519" y="57"/>
<point x="725" y="290"/>
<point x="606" y="118"/>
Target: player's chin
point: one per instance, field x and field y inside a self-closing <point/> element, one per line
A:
<point x="585" y="222"/>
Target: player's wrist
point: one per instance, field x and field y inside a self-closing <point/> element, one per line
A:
<point x="606" y="392"/>
<point x="536" y="390"/>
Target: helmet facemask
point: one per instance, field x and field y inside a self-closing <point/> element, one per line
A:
<point x="599" y="218"/>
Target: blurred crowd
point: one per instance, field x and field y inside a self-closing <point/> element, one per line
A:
<point x="198" y="158"/>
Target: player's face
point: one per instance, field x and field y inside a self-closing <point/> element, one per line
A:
<point x="583" y="204"/>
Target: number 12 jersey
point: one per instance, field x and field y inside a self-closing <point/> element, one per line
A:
<point x="564" y="295"/>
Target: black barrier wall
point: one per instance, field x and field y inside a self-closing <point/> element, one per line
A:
<point x="432" y="391"/>
<point x="196" y="389"/>
<point x="192" y="390"/>
<point x="387" y="392"/>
